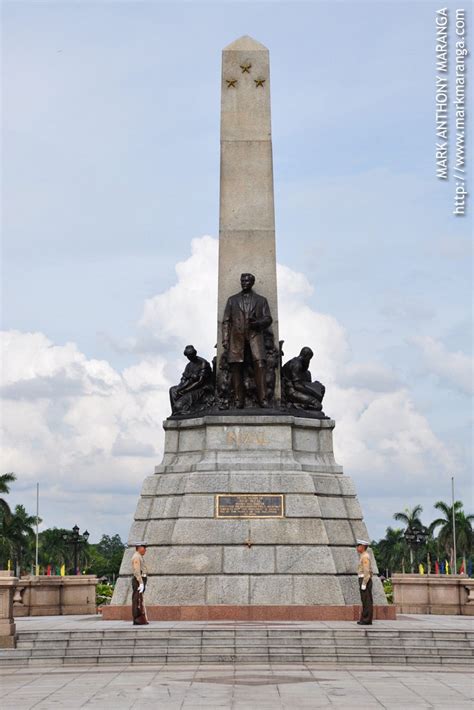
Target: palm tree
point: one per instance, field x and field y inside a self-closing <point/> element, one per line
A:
<point x="17" y="536"/>
<point x="390" y="551"/>
<point x="412" y="520"/>
<point x="5" y="480"/>
<point x="53" y="548"/>
<point x="464" y="532"/>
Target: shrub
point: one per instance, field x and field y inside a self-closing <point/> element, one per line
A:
<point x="388" y="589"/>
<point x="103" y="594"/>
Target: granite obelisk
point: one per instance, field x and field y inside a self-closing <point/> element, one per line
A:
<point x="248" y="516"/>
<point x="247" y="215"/>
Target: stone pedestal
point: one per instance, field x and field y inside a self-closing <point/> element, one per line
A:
<point x="44" y="595"/>
<point x="300" y="562"/>
<point x="7" y="623"/>
<point x="433" y="594"/>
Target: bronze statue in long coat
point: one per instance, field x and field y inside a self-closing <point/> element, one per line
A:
<point x="246" y="317"/>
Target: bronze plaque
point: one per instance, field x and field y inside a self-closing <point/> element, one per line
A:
<point x="250" y="505"/>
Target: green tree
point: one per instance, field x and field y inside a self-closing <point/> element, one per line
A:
<point x="5" y="480"/>
<point x="411" y="519"/>
<point x="111" y="546"/>
<point x="464" y="532"/>
<point x="391" y="551"/>
<point x="17" y="537"/>
<point x="53" y="549"/>
<point x="106" y="556"/>
<point x="97" y="564"/>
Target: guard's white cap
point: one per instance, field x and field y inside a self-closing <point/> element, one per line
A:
<point x="139" y="544"/>
<point x="362" y="542"/>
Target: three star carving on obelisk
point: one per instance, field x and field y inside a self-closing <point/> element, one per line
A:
<point x="246" y="67"/>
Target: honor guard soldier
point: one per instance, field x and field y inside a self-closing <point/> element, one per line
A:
<point x="139" y="572"/>
<point x="365" y="583"/>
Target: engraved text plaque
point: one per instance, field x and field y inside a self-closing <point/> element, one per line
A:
<point x="250" y="505"/>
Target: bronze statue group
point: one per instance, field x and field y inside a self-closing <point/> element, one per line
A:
<point x="245" y="374"/>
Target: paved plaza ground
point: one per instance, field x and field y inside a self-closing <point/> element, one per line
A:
<point x="252" y="687"/>
<point x="236" y="686"/>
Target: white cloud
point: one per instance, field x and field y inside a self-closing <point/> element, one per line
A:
<point x="300" y="325"/>
<point x="369" y="375"/>
<point x="78" y="426"/>
<point x="186" y="312"/>
<point x="383" y="434"/>
<point x="88" y="432"/>
<point x="453" y="369"/>
<point x="130" y="447"/>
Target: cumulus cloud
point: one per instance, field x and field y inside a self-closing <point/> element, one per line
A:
<point x="91" y="433"/>
<point x="77" y="425"/>
<point x="453" y="369"/>
<point x="186" y="312"/>
<point x="301" y="325"/>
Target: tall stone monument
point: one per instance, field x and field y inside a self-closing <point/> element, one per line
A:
<point x="248" y="516"/>
<point x="247" y="213"/>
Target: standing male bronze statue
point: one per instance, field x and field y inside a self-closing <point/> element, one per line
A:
<point x="246" y="317"/>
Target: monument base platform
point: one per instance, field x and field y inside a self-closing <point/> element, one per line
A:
<point x="250" y="613"/>
<point x="248" y="518"/>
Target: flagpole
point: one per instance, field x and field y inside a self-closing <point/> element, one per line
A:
<point x="454" y="526"/>
<point x="37" y="523"/>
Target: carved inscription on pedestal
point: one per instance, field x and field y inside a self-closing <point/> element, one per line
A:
<point x="250" y="505"/>
<point x="246" y="438"/>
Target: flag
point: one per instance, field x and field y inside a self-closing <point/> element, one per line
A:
<point x="442" y="567"/>
<point x="461" y="570"/>
<point x="9" y="565"/>
<point x="436" y="567"/>
<point x="37" y="570"/>
<point x="48" y="570"/>
<point x="447" y="567"/>
<point x="62" y="571"/>
<point x="421" y="569"/>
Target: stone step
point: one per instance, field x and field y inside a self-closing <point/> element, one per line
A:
<point x="346" y="658"/>
<point x="239" y="649"/>
<point x="45" y="641"/>
<point x="238" y="634"/>
<point x="387" y="652"/>
<point x="240" y="645"/>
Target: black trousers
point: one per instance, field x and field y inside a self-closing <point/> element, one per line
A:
<point x="367" y="602"/>
<point x="138" y="610"/>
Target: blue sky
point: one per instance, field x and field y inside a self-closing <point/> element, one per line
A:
<point x="111" y="168"/>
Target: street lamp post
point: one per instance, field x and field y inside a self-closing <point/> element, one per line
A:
<point x="75" y="539"/>
<point x="414" y="536"/>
